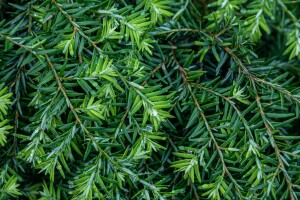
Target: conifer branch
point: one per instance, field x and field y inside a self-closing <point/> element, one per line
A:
<point x="267" y="124"/>
<point x="121" y="99"/>
<point x="77" y="28"/>
<point x="251" y="76"/>
<point x="219" y="148"/>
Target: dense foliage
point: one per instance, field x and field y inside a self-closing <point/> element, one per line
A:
<point x="149" y="99"/>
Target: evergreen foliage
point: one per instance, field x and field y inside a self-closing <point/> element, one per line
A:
<point x="149" y="99"/>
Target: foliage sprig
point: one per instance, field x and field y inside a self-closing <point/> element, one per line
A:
<point x="149" y="99"/>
